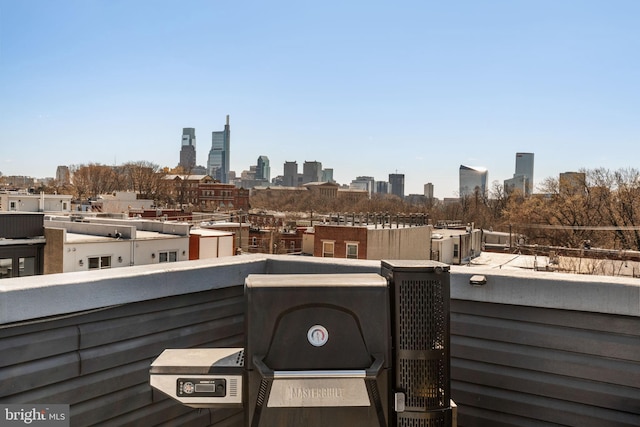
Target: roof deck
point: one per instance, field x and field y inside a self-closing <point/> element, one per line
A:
<point x="527" y="347"/>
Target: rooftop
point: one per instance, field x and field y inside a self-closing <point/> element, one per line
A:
<point x="526" y="349"/>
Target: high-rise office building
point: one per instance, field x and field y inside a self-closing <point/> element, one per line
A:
<point x="290" y="174"/>
<point x="63" y="176"/>
<point x="219" y="155"/>
<point x="366" y="183"/>
<point x="311" y="172"/>
<point x="428" y="190"/>
<point x="524" y="165"/>
<point x="518" y="183"/>
<point x="473" y="180"/>
<point x="263" y="170"/>
<point x="381" y="187"/>
<point x="327" y="175"/>
<point x="523" y="177"/>
<point x="188" y="149"/>
<point x="396" y="182"/>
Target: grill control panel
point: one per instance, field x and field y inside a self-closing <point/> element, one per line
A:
<point x="200" y="377"/>
<point x="192" y="387"/>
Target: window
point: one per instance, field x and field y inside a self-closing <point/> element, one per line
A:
<point x="352" y="250"/>
<point x="455" y="250"/>
<point x="99" y="262"/>
<point x="27" y="266"/>
<point x="327" y="249"/>
<point x="12" y="206"/>
<point x="6" y="265"/>
<point x="168" y="256"/>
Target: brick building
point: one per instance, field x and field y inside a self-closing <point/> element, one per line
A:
<point x="205" y="194"/>
<point x="371" y="242"/>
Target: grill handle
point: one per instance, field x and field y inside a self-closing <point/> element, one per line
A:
<point x="369" y="373"/>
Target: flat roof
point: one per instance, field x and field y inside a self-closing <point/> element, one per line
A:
<point x="140" y="235"/>
<point x="372" y="226"/>
<point x="510" y="261"/>
<point x="210" y="232"/>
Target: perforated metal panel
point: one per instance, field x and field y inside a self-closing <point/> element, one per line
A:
<point x="420" y="311"/>
<point x="438" y="419"/>
<point x="421" y="337"/>
<point x="421" y="314"/>
<point x="424" y="383"/>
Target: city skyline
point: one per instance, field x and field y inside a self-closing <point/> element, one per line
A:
<point x="367" y="89"/>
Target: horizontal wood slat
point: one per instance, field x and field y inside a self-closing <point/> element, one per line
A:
<point x="521" y="366"/>
<point x="98" y="362"/>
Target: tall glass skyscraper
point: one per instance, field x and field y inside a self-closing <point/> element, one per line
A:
<point x="472" y="180"/>
<point x="263" y="170"/>
<point x="188" y="150"/>
<point x="523" y="178"/>
<point x="219" y="155"/>
<point x="524" y="167"/>
<point x="396" y="182"/>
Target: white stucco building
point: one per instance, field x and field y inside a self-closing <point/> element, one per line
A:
<point x="99" y="243"/>
<point x="19" y="201"/>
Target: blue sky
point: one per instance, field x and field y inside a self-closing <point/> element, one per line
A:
<point x="365" y="87"/>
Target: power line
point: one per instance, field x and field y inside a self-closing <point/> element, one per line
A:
<point x="581" y="227"/>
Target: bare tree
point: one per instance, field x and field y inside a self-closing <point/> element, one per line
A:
<point x="619" y="192"/>
<point x="146" y="179"/>
<point x="603" y="209"/>
<point x="93" y="179"/>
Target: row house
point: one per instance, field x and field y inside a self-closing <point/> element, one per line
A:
<point x="184" y="190"/>
<point x="272" y="241"/>
<point x="203" y="193"/>
<point x="368" y="241"/>
<point x="216" y="196"/>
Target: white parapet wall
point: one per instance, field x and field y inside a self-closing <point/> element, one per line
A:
<point x="56" y="294"/>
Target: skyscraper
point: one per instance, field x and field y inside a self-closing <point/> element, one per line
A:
<point x="311" y="172"/>
<point x="523" y="178"/>
<point x="428" y="190"/>
<point x="366" y="183"/>
<point x="290" y="174"/>
<point x="263" y="170"/>
<point x="63" y="176"/>
<point x="381" y="187"/>
<point x="519" y="183"/>
<point x="396" y="181"/>
<point x="473" y="180"/>
<point x="524" y="166"/>
<point x="219" y="155"/>
<point x="188" y="150"/>
<point x="327" y="175"/>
